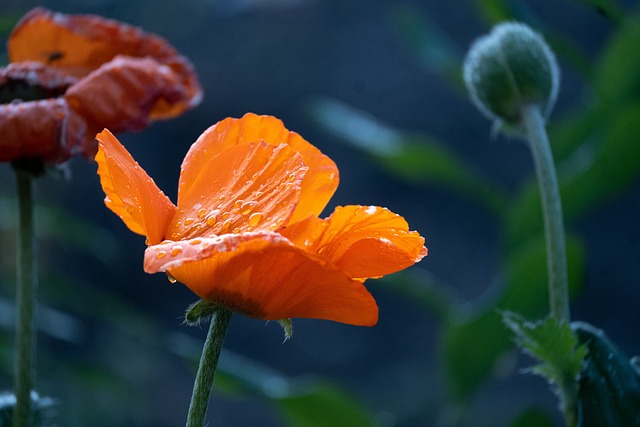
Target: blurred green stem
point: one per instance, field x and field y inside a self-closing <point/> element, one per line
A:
<point x="207" y="368"/>
<point x="552" y="210"/>
<point x="25" y="299"/>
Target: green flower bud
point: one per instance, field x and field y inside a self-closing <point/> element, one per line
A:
<point x="199" y="311"/>
<point x="509" y="68"/>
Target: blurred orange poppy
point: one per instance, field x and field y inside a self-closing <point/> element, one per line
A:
<point x="245" y="233"/>
<point x="72" y="75"/>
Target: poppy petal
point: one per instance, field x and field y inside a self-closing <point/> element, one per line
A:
<point x="130" y="192"/>
<point x="47" y="129"/>
<point x="263" y="275"/>
<point x="80" y="44"/>
<point x="319" y="183"/>
<point x="121" y="94"/>
<point x="363" y="241"/>
<point x="243" y="188"/>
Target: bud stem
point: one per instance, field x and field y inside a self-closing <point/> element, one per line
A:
<point x="533" y="123"/>
<point x="25" y="299"/>
<point x="207" y="368"/>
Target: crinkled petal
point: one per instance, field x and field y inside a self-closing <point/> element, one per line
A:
<point x="363" y="241"/>
<point x="319" y="183"/>
<point x="130" y="192"/>
<point x="264" y="276"/>
<point x="121" y="94"/>
<point x="47" y="129"/>
<point x="242" y="188"/>
<point x="29" y="81"/>
<point x="80" y="44"/>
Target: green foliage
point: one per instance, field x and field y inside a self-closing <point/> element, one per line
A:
<point x="609" y="387"/>
<point x="323" y="405"/>
<point x="414" y="158"/>
<point x="532" y="418"/>
<point x="525" y="293"/>
<point x="553" y="344"/>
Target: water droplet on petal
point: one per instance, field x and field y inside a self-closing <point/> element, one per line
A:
<point x="247" y="207"/>
<point x="211" y="219"/>
<point x="255" y="219"/>
<point x="201" y="213"/>
<point x="170" y="278"/>
<point x="176" y="250"/>
<point x="189" y="221"/>
<point x="195" y="242"/>
<point x="161" y="254"/>
<point x="236" y="230"/>
<point x="292" y="177"/>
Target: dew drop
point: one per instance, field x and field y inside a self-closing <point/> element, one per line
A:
<point x="195" y="242"/>
<point x="189" y="221"/>
<point x="161" y="254"/>
<point x="258" y="193"/>
<point x="255" y="219"/>
<point x="170" y="278"/>
<point x="176" y="250"/>
<point x="225" y="225"/>
<point x="292" y="177"/>
<point x="225" y="215"/>
<point x="201" y="213"/>
<point x="238" y="203"/>
<point x="211" y="219"/>
<point x="236" y="230"/>
<point x="247" y="207"/>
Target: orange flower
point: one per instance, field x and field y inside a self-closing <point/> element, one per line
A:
<point x="245" y="233"/>
<point x="72" y="75"/>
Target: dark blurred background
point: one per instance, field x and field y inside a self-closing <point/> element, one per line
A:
<point x="112" y="349"/>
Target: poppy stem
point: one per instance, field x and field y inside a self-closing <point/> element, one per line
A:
<point x="533" y="123"/>
<point x="25" y="299"/>
<point x="207" y="368"/>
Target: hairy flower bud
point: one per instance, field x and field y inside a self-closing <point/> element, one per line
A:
<point x="509" y="68"/>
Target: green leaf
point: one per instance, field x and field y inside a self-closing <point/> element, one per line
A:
<point x="472" y="346"/>
<point x="609" y="388"/>
<point x="617" y="80"/>
<point x="532" y="417"/>
<point x="415" y="158"/>
<point x="553" y="344"/>
<point x="434" y="50"/>
<point x="323" y="405"/>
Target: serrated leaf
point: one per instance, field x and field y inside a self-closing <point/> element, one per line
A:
<point x="473" y="345"/>
<point x="552" y="343"/>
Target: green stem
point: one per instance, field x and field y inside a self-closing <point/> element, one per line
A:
<point x="25" y="297"/>
<point x="552" y="210"/>
<point x="207" y="368"/>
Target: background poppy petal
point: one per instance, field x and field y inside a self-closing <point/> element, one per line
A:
<point x="263" y="275"/>
<point x="363" y="241"/>
<point x="80" y="44"/>
<point x="319" y="183"/>
<point x="47" y="129"/>
<point x="130" y="192"/>
<point x="245" y="187"/>
<point x="121" y="94"/>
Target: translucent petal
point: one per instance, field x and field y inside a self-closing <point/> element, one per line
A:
<point x="319" y="183"/>
<point x="244" y="187"/>
<point x="130" y="192"/>
<point x="363" y="241"/>
<point x="263" y="275"/>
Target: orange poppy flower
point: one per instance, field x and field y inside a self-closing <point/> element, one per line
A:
<point x="72" y="75"/>
<point x="245" y="233"/>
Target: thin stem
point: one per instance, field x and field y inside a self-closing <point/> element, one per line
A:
<point x="552" y="210"/>
<point x="207" y="368"/>
<point x="26" y="297"/>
